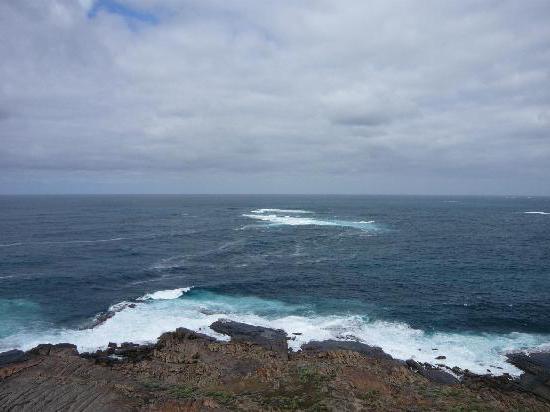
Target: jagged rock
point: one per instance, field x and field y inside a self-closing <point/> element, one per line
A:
<point x="180" y="335"/>
<point x="103" y="317"/>
<point x="12" y="356"/>
<point x="128" y="351"/>
<point x="432" y="374"/>
<point x="537" y="363"/>
<point x="105" y="358"/>
<point x="271" y="339"/>
<point x="134" y="352"/>
<point x="47" y="348"/>
<point x="129" y="345"/>
<point x="330" y="345"/>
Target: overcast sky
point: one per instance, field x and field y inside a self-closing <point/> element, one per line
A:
<point x="179" y="96"/>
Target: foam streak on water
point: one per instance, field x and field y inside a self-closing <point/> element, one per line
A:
<point x="297" y="211"/>
<point x="274" y="219"/>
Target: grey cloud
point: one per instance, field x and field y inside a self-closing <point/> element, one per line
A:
<point x="284" y="91"/>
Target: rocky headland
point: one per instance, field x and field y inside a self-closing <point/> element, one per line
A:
<point x="189" y="371"/>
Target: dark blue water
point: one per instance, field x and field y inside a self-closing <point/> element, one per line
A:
<point x="452" y="271"/>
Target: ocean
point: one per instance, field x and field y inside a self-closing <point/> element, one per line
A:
<point x="420" y="276"/>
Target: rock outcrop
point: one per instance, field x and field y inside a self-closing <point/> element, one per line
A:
<point x="12" y="356"/>
<point x="536" y="376"/>
<point x="271" y="339"/>
<point x="189" y="371"/>
<point x="332" y="345"/>
<point x="56" y="378"/>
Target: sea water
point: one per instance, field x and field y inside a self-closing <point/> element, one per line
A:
<point x="463" y="277"/>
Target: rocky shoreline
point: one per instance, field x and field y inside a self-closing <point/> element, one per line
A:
<point x="189" y="371"/>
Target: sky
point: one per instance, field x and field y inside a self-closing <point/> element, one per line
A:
<point x="248" y="96"/>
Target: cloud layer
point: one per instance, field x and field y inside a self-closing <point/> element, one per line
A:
<point x="247" y="96"/>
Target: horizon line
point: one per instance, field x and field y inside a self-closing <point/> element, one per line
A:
<point x="279" y="194"/>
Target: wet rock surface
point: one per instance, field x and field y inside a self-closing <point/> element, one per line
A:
<point x="189" y="371"/>
<point x="103" y="317"/>
<point x="270" y="339"/>
<point x="12" y="356"/>
<point x="536" y="376"/>
<point x="432" y="373"/>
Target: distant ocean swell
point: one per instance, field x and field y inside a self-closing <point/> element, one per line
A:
<point x="146" y="318"/>
<point x="69" y="242"/>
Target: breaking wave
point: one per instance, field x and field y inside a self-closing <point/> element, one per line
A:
<point x="298" y="211"/>
<point x="165" y="294"/>
<point x="166" y="310"/>
<point x="537" y="213"/>
<point x="273" y="219"/>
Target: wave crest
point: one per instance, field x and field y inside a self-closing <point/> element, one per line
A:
<point x="298" y="211"/>
<point x="165" y="294"/>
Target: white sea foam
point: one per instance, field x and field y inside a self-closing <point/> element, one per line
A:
<point x="148" y="319"/>
<point x="297" y="211"/>
<point x="117" y="307"/>
<point x="273" y="219"/>
<point x="166" y="294"/>
<point x="537" y="213"/>
<point x="11" y="244"/>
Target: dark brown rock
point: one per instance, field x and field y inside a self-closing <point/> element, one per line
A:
<point x="12" y="356"/>
<point x="433" y="374"/>
<point x="330" y="345"/>
<point x="47" y="348"/>
<point x="271" y="339"/>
